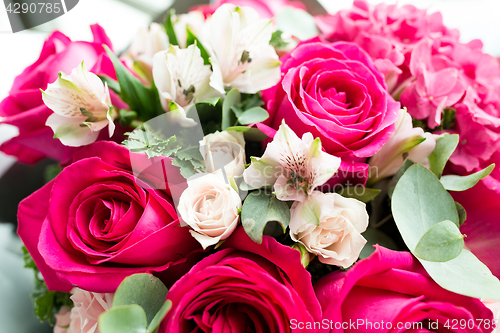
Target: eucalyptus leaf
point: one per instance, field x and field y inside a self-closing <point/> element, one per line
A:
<point x="155" y="323"/>
<point x="258" y="209"/>
<point x="392" y="184"/>
<point x="253" y="115"/>
<point x="144" y="290"/>
<point x="123" y="319"/>
<point x="420" y="201"/>
<point x="210" y="101"/>
<point x="442" y="242"/>
<point x="233" y="98"/>
<point x="297" y="22"/>
<point x="463" y="183"/>
<point x="250" y="133"/>
<point x="462" y="214"/>
<point x="363" y="194"/>
<point x="464" y="275"/>
<point x="445" y="147"/>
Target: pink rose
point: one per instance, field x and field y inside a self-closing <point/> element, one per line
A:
<point x="266" y="9"/>
<point x="392" y="288"/>
<point x="244" y="287"/>
<point x="24" y="107"/>
<point x="88" y="306"/>
<point x="334" y="91"/>
<point x="96" y="223"/>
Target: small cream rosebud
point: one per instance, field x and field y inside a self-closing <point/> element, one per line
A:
<point x="224" y="150"/>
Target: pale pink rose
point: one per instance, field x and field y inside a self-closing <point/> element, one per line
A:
<point x="225" y="150"/>
<point x="210" y="207"/>
<point x="88" y="307"/>
<point x="407" y="140"/>
<point x="330" y="226"/>
<point x="63" y="319"/>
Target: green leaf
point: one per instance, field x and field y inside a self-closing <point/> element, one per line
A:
<point x="392" y="184"/>
<point x="112" y="84"/>
<point x="297" y="22"/>
<point x="258" y="209"/>
<point x="51" y="171"/>
<point x="373" y="237"/>
<point x="250" y="133"/>
<point x="155" y="323"/>
<point x="363" y="194"/>
<point x="464" y="275"/>
<point x="123" y="319"/>
<point x="253" y="115"/>
<point x="233" y="98"/>
<point x="145" y="101"/>
<point x="458" y="183"/>
<point x="127" y="117"/>
<point x="445" y="147"/>
<point x="442" y="242"/>
<point x="462" y="214"/>
<point x="305" y="258"/>
<point x="145" y="139"/>
<point x="419" y="202"/>
<point x="144" y="290"/>
<point x="169" y="28"/>
<point x="210" y="101"/>
<point x="277" y="41"/>
<point x="192" y="39"/>
<point x="187" y="167"/>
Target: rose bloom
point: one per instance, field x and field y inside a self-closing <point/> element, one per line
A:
<point x="334" y="91"/>
<point x="245" y="287"/>
<point x="266" y="9"/>
<point x="96" y="223"/>
<point x="335" y="237"/>
<point x="392" y="287"/>
<point x="225" y="150"/>
<point x="24" y="107"/>
<point x="210" y="207"/>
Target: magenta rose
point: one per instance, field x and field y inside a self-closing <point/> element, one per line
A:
<point x="334" y="91"/>
<point x="393" y="288"/>
<point x="266" y="9"/>
<point x="24" y="107"/>
<point x="97" y="223"/>
<point x="245" y="287"/>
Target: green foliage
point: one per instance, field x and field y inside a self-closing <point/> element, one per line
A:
<point x="169" y="28"/>
<point x="112" y="84"/>
<point x="392" y="184"/>
<point x="250" y="133"/>
<point x="462" y="214"/>
<point x="143" y="100"/>
<point x="277" y="41"/>
<point x="260" y="208"/>
<point x="192" y="39"/>
<point x="51" y="171"/>
<point x="445" y="146"/>
<point x="139" y="306"/>
<point x="297" y="22"/>
<point x="233" y="98"/>
<point x="244" y="109"/>
<point x="458" y="183"/>
<point x="46" y="303"/>
<point x="252" y="116"/>
<point x="375" y="236"/>
<point x="147" y="140"/>
<point x="442" y="242"/>
<point x="363" y="194"/>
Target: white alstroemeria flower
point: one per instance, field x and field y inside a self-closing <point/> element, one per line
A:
<point x="194" y="21"/>
<point x="82" y="107"/>
<point x="330" y="226"/>
<point x="145" y="45"/>
<point x="414" y="142"/>
<point x="295" y="166"/>
<point x="242" y="57"/>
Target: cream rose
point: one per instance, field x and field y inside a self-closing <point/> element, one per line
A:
<point x="330" y="226"/>
<point x="226" y="150"/>
<point x="210" y="207"/>
<point x="88" y="307"/>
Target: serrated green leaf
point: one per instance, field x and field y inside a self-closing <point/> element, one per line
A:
<point x="143" y="289"/>
<point x="123" y="319"/>
<point x="363" y="194"/>
<point x="233" y="98"/>
<point x="169" y="28"/>
<point x="462" y="214"/>
<point x="297" y="22"/>
<point x="186" y="166"/>
<point x="445" y="147"/>
<point x="442" y="242"/>
<point x="146" y="140"/>
<point x="463" y="183"/>
<point x="258" y="209"/>
<point x="145" y="101"/>
<point x="253" y="115"/>
<point x="192" y="39"/>
<point x="155" y="323"/>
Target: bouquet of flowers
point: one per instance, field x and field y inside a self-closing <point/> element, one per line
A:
<point x="247" y="167"/>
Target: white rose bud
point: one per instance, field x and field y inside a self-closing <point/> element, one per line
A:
<point x="330" y="226"/>
<point x="226" y="150"/>
<point x="210" y="207"/>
